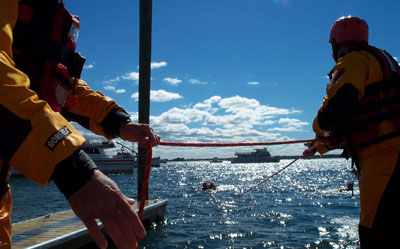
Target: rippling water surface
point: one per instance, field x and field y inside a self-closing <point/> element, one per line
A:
<point x="299" y="208"/>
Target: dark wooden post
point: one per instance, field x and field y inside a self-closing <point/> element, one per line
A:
<point x="144" y="80"/>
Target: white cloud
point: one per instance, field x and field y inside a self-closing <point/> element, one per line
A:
<point x="155" y="65"/>
<point x="89" y="66"/>
<point x="269" y="122"/>
<point x="237" y="103"/>
<point x="159" y="96"/>
<point x="234" y="119"/>
<point x="131" y="76"/>
<point x="253" y="83"/>
<point x="163" y="96"/>
<point x="112" y="88"/>
<point x="289" y="124"/>
<point x="213" y="99"/>
<point x="208" y="104"/>
<point x="120" y="91"/>
<point x="284" y="129"/>
<point x="110" y="81"/>
<point x="182" y="116"/>
<point x="292" y="122"/>
<point x="198" y="82"/>
<point x="172" y="81"/>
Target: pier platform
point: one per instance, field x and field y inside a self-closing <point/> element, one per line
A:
<point x="65" y="230"/>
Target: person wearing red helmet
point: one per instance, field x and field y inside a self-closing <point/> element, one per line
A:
<point x="360" y="114"/>
<point x="212" y="186"/>
<point x="205" y="187"/>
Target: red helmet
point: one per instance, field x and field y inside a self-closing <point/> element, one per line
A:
<point x="349" y="28"/>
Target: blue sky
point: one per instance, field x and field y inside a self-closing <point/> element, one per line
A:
<point x="224" y="70"/>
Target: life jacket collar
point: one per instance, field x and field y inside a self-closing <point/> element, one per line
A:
<point x="45" y="37"/>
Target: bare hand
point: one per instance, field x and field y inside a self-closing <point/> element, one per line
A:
<point x="100" y="198"/>
<point x="141" y="133"/>
<point x="310" y="151"/>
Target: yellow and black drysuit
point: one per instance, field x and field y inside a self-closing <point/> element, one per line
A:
<point x="36" y="137"/>
<point x="362" y="110"/>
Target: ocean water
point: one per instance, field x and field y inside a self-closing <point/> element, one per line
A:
<point x="299" y="208"/>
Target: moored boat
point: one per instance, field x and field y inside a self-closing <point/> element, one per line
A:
<point x="122" y="162"/>
<point x="257" y="156"/>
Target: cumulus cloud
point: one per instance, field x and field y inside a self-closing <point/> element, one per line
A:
<point x="131" y="76"/>
<point x="172" y="81"/>
<point x="120" y="91"/>
<point x="111" y="84"/>
<point x="208" y="104"/>
<point x="233" y="119"/>
<point x="114" y="89"/>
<point x="289" y="124"/>
<point x="110" y="88"/>
<point x="155" y="65"/>
<point x="159" y="96"/>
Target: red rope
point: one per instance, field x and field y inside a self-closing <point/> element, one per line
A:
<point x="266" y="179"/>
<point x="145" y="186"/>
<point x="232" y="144"/>
<point x="258" y="184"/>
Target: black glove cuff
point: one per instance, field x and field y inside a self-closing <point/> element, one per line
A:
<point x="72" y="173"/>
<point x="112" y="122"/>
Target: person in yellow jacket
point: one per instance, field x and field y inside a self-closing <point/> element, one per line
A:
<point x="360" y="114"/>
<point x="37" y="139"/>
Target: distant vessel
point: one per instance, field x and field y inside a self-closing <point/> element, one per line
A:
<point x="258" y="156"/>
<point x="216" y="160"/>
<point x="122" y="162"/>
<point x="157" y="161"/>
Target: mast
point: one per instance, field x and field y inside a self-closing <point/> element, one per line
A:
<point x="144" y="80"/>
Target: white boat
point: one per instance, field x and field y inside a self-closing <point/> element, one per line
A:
<point x="122" y="162"/>
<point x="258" y="156"/>
<point x="99" y="151"/>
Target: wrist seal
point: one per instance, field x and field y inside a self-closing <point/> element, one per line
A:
<point x="113" y="121"/>
<point x="73" y="172"/>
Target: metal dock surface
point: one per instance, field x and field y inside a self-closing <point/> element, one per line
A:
<point x="65" y="230"/>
